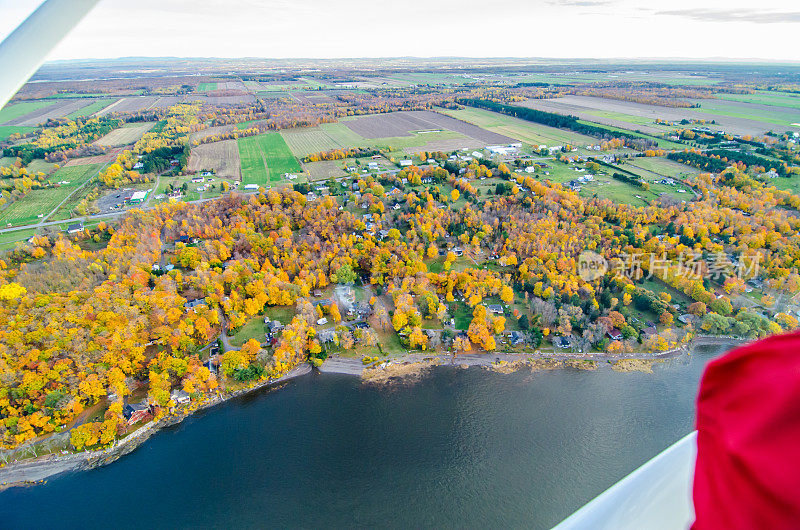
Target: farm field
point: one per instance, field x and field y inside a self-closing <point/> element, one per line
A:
<point x="783" y="116"/>
<point x="8" y="130"/>
<point x="306" y="140"/>
<point x="220" y="157"/>
<point x="93" y="107"/>
<point x="59" y="109"/>
<point x="764" y="97"/>
<point x="16" y="111"/>
<point x="521" y="130"/>
<point x="324" y="169"/>
<point x="27" y="209"/>
<point x="264" y="158"/>
<point x="206" y="87"/>
<point x="130" y="104"/>
<point x="731" y="116"/>
<point x="127" y="134"/>
<point x="10" y="239"/>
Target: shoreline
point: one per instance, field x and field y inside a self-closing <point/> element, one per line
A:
<point x="35" y="471"/>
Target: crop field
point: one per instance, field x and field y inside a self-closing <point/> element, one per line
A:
<point x="8" y="130"/>
<point x="521" y="130"/>
<point x="265" y="158"/>
<point x="324" y="169"/>
<point x="131" y="104"/>
<point x="96" y="106"/>
<point x="126" y="135"/>
<point x="220" y="157"/>
<point x="206" y="87"/>
<point x="109" y="156"/>
<point x="59" y="109"/>
<point x="306" y="140"/>
<point x="16" y="111"/>
<point x="27" y="209"/>
<point x="397" y="124"/>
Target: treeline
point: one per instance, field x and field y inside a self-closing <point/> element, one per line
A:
<point x="706" y="163"/>
<point x="552" y="119"/>
<point x="748" y="159"/>
<point x="631" y="180"/>
<point x="341" y="154"/>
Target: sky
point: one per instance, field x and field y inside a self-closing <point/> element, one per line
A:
<point x="429" y="28"/>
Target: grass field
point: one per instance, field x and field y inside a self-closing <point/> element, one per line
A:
<point x="206" y="87"/>
<point x="17" y="110"/>
<point x="27" y="209"/>
<point x="662" y="167"/>
<point x="307" y="140"/>
<point x="8" y="130"/>
<point x="38" y="165"/>
<point x="776" y="115"/>
<point x="91" y="108"/>
<point x="662" y="144"/>
<point x="776" y="99"/>
<point x="265" y="158"/>
<point x="10" y="239"/>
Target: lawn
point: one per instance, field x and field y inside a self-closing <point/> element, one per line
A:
<point x="252" y="329"/>
<point x="17" y="110"/>
<point x="42" y="201"/>
<point x="265" y="158"/>
<point x="8" y="130"/>
<point x="90" y="109"/>
<point x="10" y="239"/>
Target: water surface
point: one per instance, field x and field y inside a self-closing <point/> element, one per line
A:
<point x="461" y="448"/>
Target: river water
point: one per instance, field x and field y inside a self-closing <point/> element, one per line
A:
<point x="461" y="448"/>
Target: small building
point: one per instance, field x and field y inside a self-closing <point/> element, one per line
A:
<point x="180" y="397"/>
<point x="615" y="334"/>
<point x="322" y="321"/>
<point x="326" y="335"/>
<point x="516" y="338"/>
<point x="251" y="187"/>
<point x="405" y="163"/>
<point x="138" y="197"/>
<point x="316" y="293"/>
<point x="74" y="228"/>
<point x="561" y="342"/>
<point x="135" y="412"/>
<point x="686" y="318"/>
<point x="197" y="180"/>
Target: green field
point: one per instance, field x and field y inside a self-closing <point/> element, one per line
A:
<point x="10" y="239"/>
<point x="17" y="110"/>
<point x="42" y="201"/>
<point x="8" y="130"/>
<point x="776" y="115"/>
<point x="265" y="158"/>
<point x="763" y="97"/>
<point x="206" y="87"/>
<point x="91" y="108"/>
<point x="307" y="140"/>
<point x="661" y="167"/>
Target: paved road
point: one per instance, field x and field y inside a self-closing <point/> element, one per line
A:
<point x="100" y="216"/>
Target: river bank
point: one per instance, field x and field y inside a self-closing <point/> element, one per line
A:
<point x="406" y="368"/>
<point x="31" y="472"/>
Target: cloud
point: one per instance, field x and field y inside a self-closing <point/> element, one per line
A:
<point x="735" y="15"/>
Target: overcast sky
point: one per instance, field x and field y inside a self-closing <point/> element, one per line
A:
<point x="767" y="29"/>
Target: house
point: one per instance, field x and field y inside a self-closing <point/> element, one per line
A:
<point x="649" y="331"/>
<point x="274" y="326"/>
<point x="316" y="293"/>
<point x="530" y="169"/>
<point x="197" y="180"/>
<point x="180" y="397"/>
<point x="138" y="165"/>
<point x="322" y="321"/>
<point x="326" y="335"/>
<point x="75" y="227"/>
<point x="561" y="342"/>
<point x="615" y="334"/>
<point x="686" y="318"/>
<point x="516" y="338"/>
<point x="497" y="309"/>
<point x="458" y="251"/>
<point x="251" y="187"/>
<point x="195" y="303"/>
<point x="405" y="163"/>
<point x="135" y="412"/>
